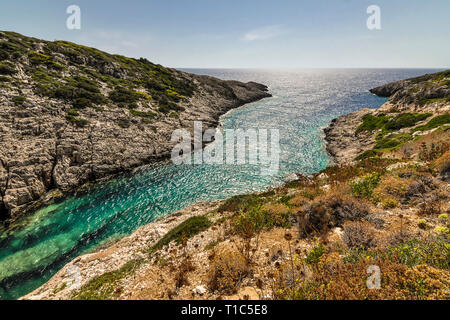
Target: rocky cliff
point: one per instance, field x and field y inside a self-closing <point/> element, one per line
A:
<point x="70" y="114"/>
<point x="415" y="107"/>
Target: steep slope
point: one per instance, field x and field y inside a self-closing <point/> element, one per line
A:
<point x="71" y="114"/>
<point x="415" y="107"/>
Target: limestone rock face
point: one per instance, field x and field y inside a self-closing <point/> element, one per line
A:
<point x="343" y="145"/>
<point x="53" y="139"/>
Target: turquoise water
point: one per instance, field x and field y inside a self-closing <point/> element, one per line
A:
<point x="304" y="101"/>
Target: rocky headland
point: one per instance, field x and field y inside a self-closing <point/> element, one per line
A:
<point x="412" y="103"/>
<point x="71" y="114"/>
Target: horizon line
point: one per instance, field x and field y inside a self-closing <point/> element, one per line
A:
<point x="307" y="68"/>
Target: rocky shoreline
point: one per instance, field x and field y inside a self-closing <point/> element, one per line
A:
<point x="340" y="140"/>
<point x="116" y="255"/>
<point x="72" y="115"/>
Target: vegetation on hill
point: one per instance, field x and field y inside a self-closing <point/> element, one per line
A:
<point x="387" y="126"/>
<point x="421" y="91"/>
<point x="89" y="78"/>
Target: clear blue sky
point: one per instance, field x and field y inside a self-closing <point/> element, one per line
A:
<point x="247" y="33"/>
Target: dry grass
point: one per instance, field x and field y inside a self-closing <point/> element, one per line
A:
<point x="329" y="211"/>
<point x="423" y="147"/>
<point x="359" y="234"/>
<point x="227" y="270"/>
<point x="442" y="166"/>
<point x="298" y="201"/>
<point x="335" y="280"/>
<point x="430" y="207"/>
<point x="392" y="187"/>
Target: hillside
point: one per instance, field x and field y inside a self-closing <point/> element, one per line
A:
<point x="384" y="205"/>
<point x="71" y="114"/>
<point x="415" y="108"/>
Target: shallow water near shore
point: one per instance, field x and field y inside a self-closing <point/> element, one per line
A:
<point x="304" y="102"/>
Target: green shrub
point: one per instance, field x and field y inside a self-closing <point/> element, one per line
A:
<point x="7" y="68"/>
<point x="315" y="254"/>
<point x="435" y="122"/>
<point x="371" y="123"/>
<point x="37" y="58"/>
<point x="432" y="251"/>
<point x="127" y="73"/>
<point x="368" y="154"/>
<point x="389" y="124"/>
<point x="4" y="79"/>
<point x="389" y="203"/>
<point x="406" y="120"/>
<point x="81" y="103"/>
<point x="143" y="114"/>
<point x="425" y="101"/>
<point x="124" y="123"/>
<point x="244" y="203"/>
<point x="19" y="100"/>
<point x="285" y="199"/>
<point x="10" y="49"/>
<point x="82" y="91"/>
<point x="186" y="229"/>
<point x="104" y="286"/>
<point x="123" y="95"/>
<point x="393" y="141"/>
<point x="41" y="74"/>
<point x="152" y="84"/>
<point x="170" y="106"/>
<point x="78" y="122"/>
<point x="422" y="224"/>
<point x="442" y="230"/>
<point x="363" y="187"/>
<point x="173" y="95"/>
<point x="249" y="223"/>
<point x="73" y="113"/>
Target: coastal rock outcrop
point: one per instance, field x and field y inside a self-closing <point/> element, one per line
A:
<point x="72" y="114"/>
<point x="412" y="104"/>
<point x="342" y="144"/>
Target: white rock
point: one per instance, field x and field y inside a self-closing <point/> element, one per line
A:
<point x="322" y="176"/>
<point x="200" y="290"/>
<point x="338" y="231"/>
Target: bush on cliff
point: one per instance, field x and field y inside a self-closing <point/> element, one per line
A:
<point x="406" y="120"/>
<point x="435" y="122"/>
<point x="184" y="231"/>
<point x="124" y="95"/>
<point x="329" y="211"/>
<point x="7" y="68"/>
